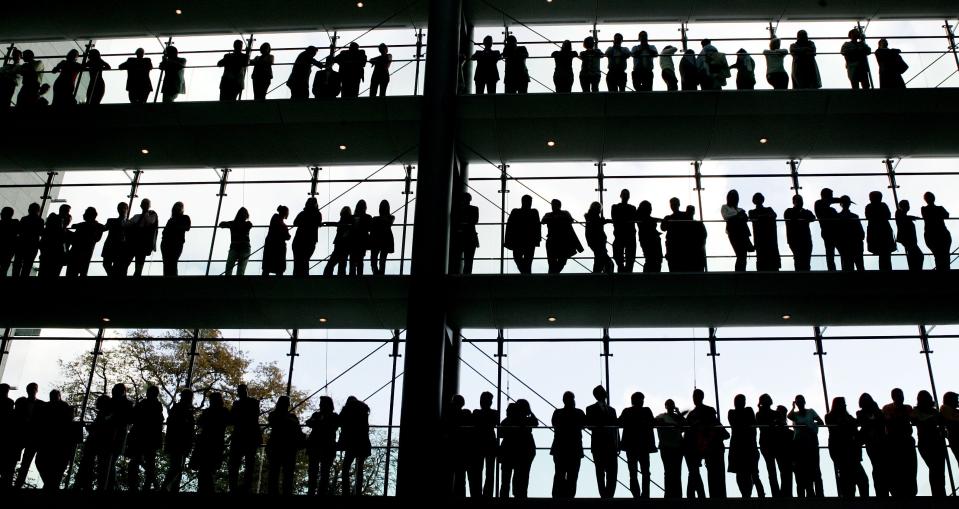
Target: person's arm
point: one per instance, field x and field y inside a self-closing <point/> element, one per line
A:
<point x="226" y="224"/>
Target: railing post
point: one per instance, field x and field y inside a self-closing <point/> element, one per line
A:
<point x="601" y="182"/>
<point x="224" y="178"/>
<point x="503" y="176"/>
<point x="191" y="367"/>
<point x="134" y="188"/>
<point x="389" y="427"/>
<point x="606" y="355"/>
<point x="407" y="191"/>
<point x="951" y="36"/>
<point x="712" y="355"/>
<point x="86" y="55"/>
<point x="891" y="174"/>
<point x="156" y="94"/>
<point x="794" y="174"/>
<point x="47" y="187"/>
<point x="419" y="59"/>
<point x="500" y="354"/>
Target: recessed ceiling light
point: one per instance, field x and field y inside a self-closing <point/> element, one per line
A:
<point x="359" y="4"/>
<point x="551" y="319"/>
<point x="322" y="320"/>
<point x="342" y="147"/>
<point x="787" y="316"/>
<point x="551" y="143"/>
<point x="178" y="12"/>
<point x="144" y="151"/>
<point x="105" y="320"/>
<point x="764" y="140"/>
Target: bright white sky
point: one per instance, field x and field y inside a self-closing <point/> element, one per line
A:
<point x="660" y="369"/>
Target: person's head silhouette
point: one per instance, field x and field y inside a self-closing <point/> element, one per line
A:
<point x="826" y="194"/>
<point x="595" y="210"/>
<point x="567" y="46"/>
<point x="238" y="46"/>
<point x="73" y="55"/>
<point x="618" y="40"/>
<point x="670" y="405"/>
<point x="283" y="404"/>
<point x="360" y="208"/>
<point x="241" y="391"/>
<point x="643" y="38"/>
<point x="32" y="389"/>
<point x="883" y="43"/>
<point x="488" y="42"/>
<point x="145" y="205"/>
<point x="119" y="391"/>
<point x="599" y="393"/>
<point x="797" y="201"/>
<point x="705" y="42"/>
<point x="904" y="205"/>
<point x="800" y="402"/>
<point x="90" y="214"/>
<point x="178" y="209"/>
<point x="354" y="46"/>
<point x="458" y="402"/>
<point x="326" y="404"/>
<point x="311" y="51"/>
<point x="875" y="197"/>
<point x="186" y="397"/>
<point x="486" y="400"/>
<point x="897" y="396"/>
<point x="283" y="211"/>
<point x="589" y="43"/>
<point x="242" y="215"/>
<point x="33" y="209"/>
<point x="122" y="209"/>
<point x="28" y="55"/>
<point x="637" y="399"/>
<point x="698" y="396"/>
<point x="929" y="198"/>
<point x="674" y="204"/>
<point x="759" y="199"/>
<point x="54" y="396"/>
<point x="139" y="53"/>
<point x="855" y="35"/>
<point x="924" y="401"/>
<point x="624" y="195"/>
<point x="556" y="205"/>
<point x="6" y="213"/>
<point x="765" y="401"/>
<point x="153" y="393"/>
<point x="265" y="48"/>
<point x="526" y="201"/>
<point x="838" y="405"/>
<point x="569" y="399"/>
<point x="384" y="208"/>
<point x="732" y="198"/>
<point x="739" y="401"/>
<point x="775" y="43"/>
<point x="383" y="48"/>
<point x="511" y="41"/>
<point x="845" y="202"/>
<point x="644" y="209"/>
<point x="802" y="36"/>
<point x="950" y="399"/>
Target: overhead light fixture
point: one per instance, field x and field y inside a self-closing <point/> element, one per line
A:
<point x="322" y="320"/>
<point x="787" y="317"/>
<point x="144" y="151"/>
<point x="359" y="4"/>
<point x="763" y="140"/>
<point x="342" y="147"/>
<point x="551" y="319"/>
<point x="178" y="12"/>
<point x="105" y="320"/>
<point x="550" y="143"/>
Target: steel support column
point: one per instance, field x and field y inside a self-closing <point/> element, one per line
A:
<point x="389" y="427"/>
<point x="891" y="174"/>
<point x="294" y="343"/>
<point x="134" y="188"/>
<point x="47" y="187"/>
<point x="407" y="185"/>
<point x="4" y="344"/>
<point x="421" y="413"/>
<point x="606" y="355"/>
<point x="927" y="352"/>
<point x="502" y="216"/>
<point x="191" y="367"/>
<point x="712" y="355"/>
<point x="451" y="366"/>
<point x="224" y="178"/>
<point x="794" y="175"/>
<point x="951" y="36"/>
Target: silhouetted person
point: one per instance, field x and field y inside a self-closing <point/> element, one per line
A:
<point x="766" y="234"/>
<point x="245" y="440"/>
<point x="274" y="247"/>
<point x="31" y="71"/>
<point x="210" y="443"/>
<point x="950" y="417"/>
<point x="776" y="74"/>
<point x="116" y="249"/>
<point x="805" y="70"/>
<point x="850" y="237"/>
<point x="617" y="57"/>
<point x="55" y="243"/>
<point x="737" y="229"/>
<point x="561" y="240"/>
<point x="355" y="443"/>
<point x="173" y="67"/>
<point x="381" y="238"/>
<point x="891" y="66"/>
<point x="806" y="447"/>
<point x="95" y="65"/>
<point x="321" y="447"/>
<point x="524" y="232"/>
<point x="83" y="241"/>
<point x="775" y="441"/>
<point x="359" y="238"/>
<point x="879" y="237"/>
<point x="482" y="470"/>
<point x="517" y="449"/>
<point x="234" y="66"/>
<point x="340" y="256"/>
<point x="649" y="238"/>
<point x="458" y="444"/>
<point x="64" y="86"/>
<point x="567" y="448"/>
<point x="675" y="226"/>
<point x="937" y="236"/>
<point x="596" y="239"/>
<point x="27" y="416"/>
<point x="590" y="71"/>
<point x="307" y="224"/>
<point x="327" y="83"/>
<point x="745" y="70"/>
<point x="262" y="74"/>
<point x="486" y="75"/>
<point x="8" y="428"/>
<point x="352" y="62"/>
<point x="604" y="444"/>
<point x="9" y="230"/>
<point x="146" y="437"/>
<point x="118" y="420"/>
<point x="173" y="238"/>
<point x="829" y="225"/>
<point x="638" y="443"/>
<point x="563" y="73"/>
<point x="142" y="231"/>
<point x="380" y="78"/>
<point x="688" y="71"/>
<point x="798" y="236"/>
<point x="697" y="241"/>
<point x="668" y="68"/>
<point x="299" y="80"/>
<point x="901" y="447"/>
<point x="906" y="235"/>
<point x="180" y="424"/>
<point x="464" y="239"/>
<point x="713" y="67"/>
<point x="97" y="432"/>
<point x="239" y="253"/>
<point x="644" y="57"/>
<point x="285" y="439"/>
<point x="743" y="453"/>
<point x="60" y="436"/>
<point x="9" y="78"/>
<point x="623" y="217"/>
<point x="872" y="432"/>
<point x="856" y="53"/>
<point x="669" y="427"/>
<point x="705" y="436"/>
<point x="138" y="70"/>
<point x="932" y="444"/>
<point x="516" y="76"/>
<point x="845" y="449"/>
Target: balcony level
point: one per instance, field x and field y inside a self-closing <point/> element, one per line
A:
<point x="584" y="127"/>
<point x="62" y="19"/>
<point x="488" y="301"/>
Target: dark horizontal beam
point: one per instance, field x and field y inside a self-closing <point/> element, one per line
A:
<point x="489" y="301"/>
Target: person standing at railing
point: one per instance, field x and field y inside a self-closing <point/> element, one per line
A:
<point x="644" y="57"/>
<point x="118" y="422"/>
<point x="806" y="447"/>
<point x="604" y="441"/>
<point x="872" y="433"/>
<point x="590" y="71"/>
<point x="299" y="79"/>
<point x="937" y="236"/>
<point x="352" y="64"/>
<point x="516" y="76"/>
<point x="563" y="73"/>
<point x="745" y="70"/>
<point x="596" y="239"/>
<point x="845" y="449"/>
<point x="55" y="243"/>
<point x="668" y="68"/>
<point x="623" y="217"/>
<point x="524" y="233"/>
<point x="879" y="238"/>
<point x="326" y="81"/>
<point x="340" y="256"/>
<point x="285" y="439"/>
<point x="245" y="440"/>
<point x="688" y="71"/>
<point x="27" y="411"/>
<point x="713" y="67"/>
<point x="638" y="443"/>
<point x="173" y="238"/>
<point x="805" y="70"/>
<point x="561" y="240"/>
<point x="7" y="446"/>
<point x="115" y="254"/>
<point x="360" y="238"/>
<point x="61" y="434"/>
<point x="902" y="448"/>
<point x="90" y="452"/>
<point x="704" y="441"/>
<point x="262" y="74"/>
<point x="355" y="443"/>
<point x="482" y="470"/>
<point x="697" y="241"/>
<point x="464" y="239"/>
<point x="517" y="449"/>
<point x="95" y="65"/>
<point x="676" y="237"/>
<point x="9" y="229"/>
<point x="380" y="78"/>
<point x="932" y="443"/>
<point x="743" y="453"/>
<point x="307" y="224"/>
<point x="210" y="443"/>
<point x="234" y="66"/>
<point x="174" y="68"/>
<point x="31" y="70"/>
<point x="381" y="239"/>
<point x="142" y="232"/>
<point x="274" y="247"/>
<point x="146" y="437"/>
<point x="906" y="235"/>
<point x="891" y="66"/>
<point x="669" y="427"/>
<point x="950" y="417"/>
<point x="138" y="70"/>
<point x="766" y="233"/>
<point x="457" y="444"/>
<point x="649" y="237"/>
<point x="567" y="448"/>
<point x="774" y="444"/>
<point x="83" y="242"/>
<point x="180" y="424"/>
<point x="486" y="75"/>
<point x="65" y="84"/>
<point x="798" y="235"/>
<point x="9" y="78"/>
<point x="776" y="74"/>
<point x="239" y="253"/>
<point x="856" y="52"/>
<point x="737" y="229"/>
<point x="829" y="226"/>
<point x="618" y="58"/>
<point x="28" y="241"/>
<point x="321" y="447"/>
